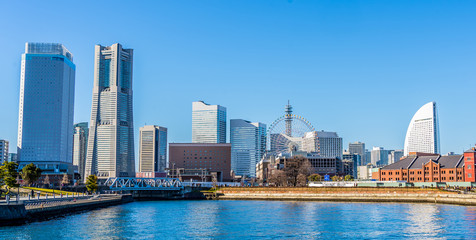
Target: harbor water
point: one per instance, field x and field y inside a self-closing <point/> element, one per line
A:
<point x="257" y="220"/>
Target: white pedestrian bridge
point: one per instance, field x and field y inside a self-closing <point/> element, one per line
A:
<point x="134" y="184"/>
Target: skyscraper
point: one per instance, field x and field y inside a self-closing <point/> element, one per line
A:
<point x="111" y="131"/>
<point x="380" y="156"/>
<point x="45" y="122"/>
<point x="80" y="145"/>
<point x="3" y="151"/>
<point x="327" y="144"/>
<point x="248" y="144"/>
<point x="358" y="148"/>
<point x="152" y="149"/>
<point x="208" y="123"/>
<point x="394" y="156"/>
<point x="423" y="131"/>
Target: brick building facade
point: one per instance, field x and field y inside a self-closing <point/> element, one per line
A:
<point x="212" y="158"/>
<point x="431" y="168"/>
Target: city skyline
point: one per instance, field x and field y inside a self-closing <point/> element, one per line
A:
<point x="379" y="119"/>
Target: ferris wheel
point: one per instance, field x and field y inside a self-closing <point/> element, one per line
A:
<point x="285" y="134"/>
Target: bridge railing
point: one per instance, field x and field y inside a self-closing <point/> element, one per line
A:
<point x="130" y="183"/>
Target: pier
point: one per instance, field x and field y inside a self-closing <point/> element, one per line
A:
<point x="28" y="211"/>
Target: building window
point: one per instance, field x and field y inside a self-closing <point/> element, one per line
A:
<point x="469" y="175"/>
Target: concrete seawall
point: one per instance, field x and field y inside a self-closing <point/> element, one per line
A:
<point x="15" y="214"/>
<point x="12" y="214"/>
<point x="413" y="195"/>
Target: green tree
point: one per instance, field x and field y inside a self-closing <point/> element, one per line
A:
<point x="348" y="178"/>
<point x="315" y="178"/>
<point x="30" y="173"/>
<point x="335" y="178"/>
<point x="92" y="183"/>
<point x="9" y="174"/>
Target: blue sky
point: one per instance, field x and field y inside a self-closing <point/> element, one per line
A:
<point x="361" y="68"/>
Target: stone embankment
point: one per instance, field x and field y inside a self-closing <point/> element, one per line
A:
<point x="407" y="195"/>
<point x="18" y="213"/>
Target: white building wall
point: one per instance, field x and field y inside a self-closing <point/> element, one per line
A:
<point x="423" y="131"/>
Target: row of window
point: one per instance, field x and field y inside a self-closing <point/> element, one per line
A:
<point x="426" y="179"/>
<point x="419" y="172"/>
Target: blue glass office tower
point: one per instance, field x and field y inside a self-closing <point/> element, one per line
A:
<point x="208" y="123"/>
<point x="248" y="144"/>
<point x="45" y="122"/>
<point x="110" y="151"/>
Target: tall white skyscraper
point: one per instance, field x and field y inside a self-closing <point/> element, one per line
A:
<point x="80" y="145"/>
<point x="111" y="131"/>
<point x="248" y="144"/>
<point x="152" y="149"/>
<point x="423" y="131"/>
<point x="45" y="122"/>
<point x="208" y="123"/>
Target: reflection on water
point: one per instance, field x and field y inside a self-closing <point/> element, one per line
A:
<point x="423" y="220"/>
<point x="257" y="220"/>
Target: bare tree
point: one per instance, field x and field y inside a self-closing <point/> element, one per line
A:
<point x="64" y="181"/>
<point x="297" y="169"/>
<point x="277" y="178"/>
<point x="46" y="180"/>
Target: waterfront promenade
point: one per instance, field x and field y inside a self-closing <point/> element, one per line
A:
<point x="355" y="194"/>
<point x="34" y="210"/>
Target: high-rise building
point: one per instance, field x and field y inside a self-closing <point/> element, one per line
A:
<point x="153" y="149"/>
<point x="45" y="122"/>
<point x="368" y="157"/>
<point x="3" y="151"/>
<point x="12" y="157"/>
<point x="208" y="123"/>
<point x="111" y="130"/>
<point x="423" y="131"/>
<point x="356" y="161"/>
<point x="358" y="148"/>
<point x="394" y="156"/>
<point x="248" y="144"/>
<point x="80" y="145"/>
<point x="379" y="156"/>
<point x="326" y="144"/>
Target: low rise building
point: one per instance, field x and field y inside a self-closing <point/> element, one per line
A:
<point x="365" y="172"/>
<point x="319" y="165"/>
<point x="213" y="159"/>
<point x="431" y="168"/>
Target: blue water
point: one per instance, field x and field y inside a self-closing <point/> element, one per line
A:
<point x="257" y="220"/>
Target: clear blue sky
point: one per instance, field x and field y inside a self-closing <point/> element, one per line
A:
<point x="361" y="68"/>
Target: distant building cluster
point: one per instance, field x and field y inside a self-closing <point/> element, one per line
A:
<point x="104" y="146"/>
